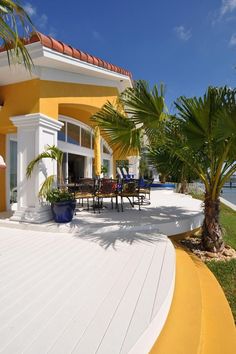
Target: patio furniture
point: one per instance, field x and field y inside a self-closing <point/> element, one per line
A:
<point x="119" y="173"/>
<point x="130" y="189"/>
<point x="145" y="187"/>
<point x="126" y="175"/>
<point x="136" y="191"/>
<point x="85" y="189"/>
<point x="107" y="188"/>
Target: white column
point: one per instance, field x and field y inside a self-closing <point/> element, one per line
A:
<point x="88" y="171"/>
<point x="34" y="133"/>
<point x="134" y="165"/>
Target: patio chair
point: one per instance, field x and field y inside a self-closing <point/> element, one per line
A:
<point x="107" y="188"/>
<point x="130" y="190"/>
<point x="126" y="175"/>
<point x="85" y="189"/>
<point x="119" y="173"/>
<point x="145" y="187"/>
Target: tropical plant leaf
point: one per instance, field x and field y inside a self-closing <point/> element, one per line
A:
<point x="120" y="131"/>
<point x="15" y="24"/>
<point x="47" y="186"/>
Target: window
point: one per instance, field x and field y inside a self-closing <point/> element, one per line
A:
<point x="79" y="135"/>
<point x="73" y="134"/>
<point x="85" y="138"/>
<point x="62" y="133"/>
<point x="105" y="149"/>
<point x="106" y="167"/>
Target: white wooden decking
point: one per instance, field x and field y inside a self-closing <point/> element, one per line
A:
<point x="62" y="294"/>
<point x="169" y="213"/>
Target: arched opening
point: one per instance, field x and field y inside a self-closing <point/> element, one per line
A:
<point x="76" y="140"/>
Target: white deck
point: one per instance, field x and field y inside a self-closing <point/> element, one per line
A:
<point x="62" y="294"/>
<point x="169" y="213"/>
<point x="100" y="284"/>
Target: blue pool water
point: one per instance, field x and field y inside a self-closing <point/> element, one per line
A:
<point x="229" y="194"/>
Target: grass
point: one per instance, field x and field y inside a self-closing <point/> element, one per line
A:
<point x="228" y="223"/>
<point x="225" y="272"/>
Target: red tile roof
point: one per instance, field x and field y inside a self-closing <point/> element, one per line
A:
<point x="60" y="47"/>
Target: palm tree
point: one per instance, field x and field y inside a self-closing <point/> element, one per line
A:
<point x="202" y="136"/>
<point x="13" y="18"/>
<point x="146" y="110"/>
<point x="206" y="142"/>
<point x="171" y="166"/>
<point x="55" y="154"/>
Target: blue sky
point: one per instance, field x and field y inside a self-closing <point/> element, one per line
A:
<point x="186" y="44"/>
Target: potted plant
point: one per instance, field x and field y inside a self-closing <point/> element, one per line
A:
<point x="62" y="204"/>
<point x="62" y="201"/>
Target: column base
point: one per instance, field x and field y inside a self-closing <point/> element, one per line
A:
<point x="33" y="215"/>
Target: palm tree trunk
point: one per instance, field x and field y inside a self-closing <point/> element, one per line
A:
<point x="184" y="186"/>
<point x="212" y="239"/>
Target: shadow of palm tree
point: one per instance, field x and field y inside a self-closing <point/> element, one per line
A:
<point x="107" y="240"/>
<point x="112" y="221"/>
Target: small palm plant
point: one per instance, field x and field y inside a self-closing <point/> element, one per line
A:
<point x="55" y="154"/>
<point x="62" y="200"/>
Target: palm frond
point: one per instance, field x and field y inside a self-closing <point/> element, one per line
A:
<point x="120" y="131"/>
<point x="51" y="152"/>
<point x="47" y="186"/>
<point x="15" y="24"/>
<point x="146" y="106"/>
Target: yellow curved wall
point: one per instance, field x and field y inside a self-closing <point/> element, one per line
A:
<point x="51" y="98"/>
<point x="53" y="94"/>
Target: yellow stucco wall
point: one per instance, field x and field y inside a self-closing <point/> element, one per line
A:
<point x="51" y="98"/>
<point x="46" y="97"/>
<point x="53" y="94"/>
<point x="20" y="98"/>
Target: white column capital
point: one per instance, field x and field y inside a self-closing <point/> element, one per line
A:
<point x="36" y="120"/>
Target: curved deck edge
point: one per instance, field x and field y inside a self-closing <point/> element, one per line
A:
<point x="147" y="339"/>
<point x="200" y="320"/>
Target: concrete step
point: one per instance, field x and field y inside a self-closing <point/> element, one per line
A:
<point x="200" y="320"/>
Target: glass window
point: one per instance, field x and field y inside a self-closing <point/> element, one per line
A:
<point x="13" y="171"/>
<point x="62" y="133"/>
<point x="106" y="167"/>
<point x="92" y="141"/>
<point x="105" y="149"/>
<point x="73" y="134"/>
<point x="85" y="138"/>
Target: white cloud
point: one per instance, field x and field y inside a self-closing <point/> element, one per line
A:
<point x="232" y="41"/>
<point x="227" y="6"/>
<point x="42" y="21"/>
<point x="183" y="33"/>
<point x="30" y="9"/>
<point x="96" y="35"/>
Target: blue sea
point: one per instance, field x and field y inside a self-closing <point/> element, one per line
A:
<point x="229" y="194"/>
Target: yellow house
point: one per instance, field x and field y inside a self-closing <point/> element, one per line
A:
<point x="51" y="106"/>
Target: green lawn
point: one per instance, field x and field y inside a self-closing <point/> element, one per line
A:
<point x="228" y="222"/>
<point x="225" y="272"/>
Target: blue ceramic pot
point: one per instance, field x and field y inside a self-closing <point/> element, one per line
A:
<point x="63" y="211"/>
